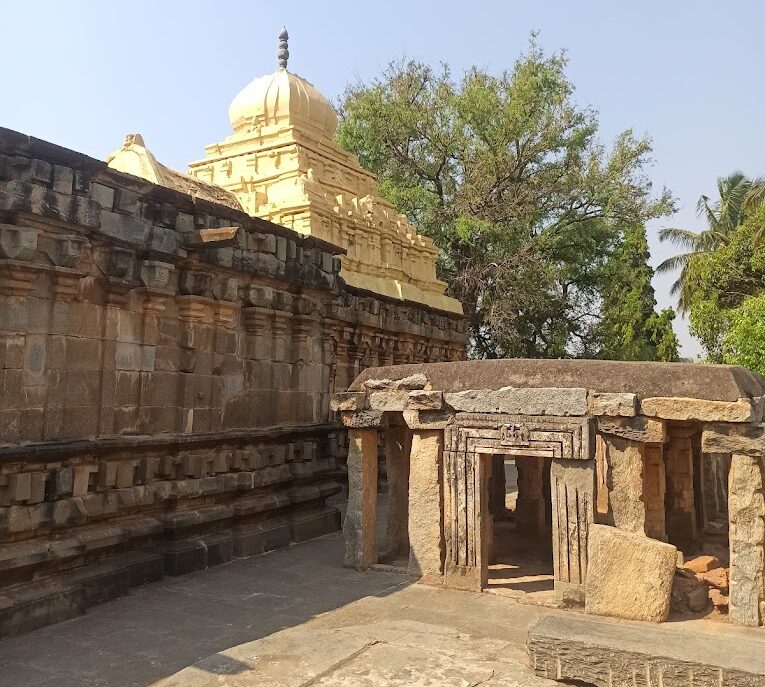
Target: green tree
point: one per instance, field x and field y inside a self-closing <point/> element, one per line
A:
<point x="721" y="282"/>
<point x="506" y="174"/>
<point x="737" y="193"/>
<point x="631" y="329"/>
<point x="744" y="342"/>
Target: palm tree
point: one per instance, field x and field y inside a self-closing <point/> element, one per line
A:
<point x="737" y="194"/>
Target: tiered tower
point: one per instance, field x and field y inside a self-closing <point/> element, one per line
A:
<point x="283" y="165"/>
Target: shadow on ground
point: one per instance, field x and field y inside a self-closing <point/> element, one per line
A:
<point x="160" y="628"/>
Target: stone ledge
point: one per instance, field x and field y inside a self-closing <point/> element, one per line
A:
<point x="607" y="653"/>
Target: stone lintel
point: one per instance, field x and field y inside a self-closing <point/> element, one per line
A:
<point x="362" y="419"/>
<point x="521" y="401"/>
<point x="746" y="440"/>
<point x="639" y="428"/>
<point x="679" y="408"/>
<point x="428" y="419"/>
<point x="614" y="405"/>
<point x="348" y="400"/>
<point x="391" y="401"/>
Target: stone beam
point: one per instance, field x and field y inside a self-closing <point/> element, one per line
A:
<point x="679" y="408"/>
<point x="643" y="429"/>
<point x="521" y="401"/>
<point x="746" y="440"/>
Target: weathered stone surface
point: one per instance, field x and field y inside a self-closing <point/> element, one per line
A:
<point x="643" y="429"/>
<point x="608" y="653"/>
<point x="428" y="419"/>
<point x="388" y="400"/>
<point x="625" y="483"/>
<point x="348" y="400"/>
<point x="398" y="442"/>
<point x="425" y="400"/>
<point x="426" y="556"/>
<point x="629" y="575"/>
<point x="745" y="440"/>
<point x="646" y="379"/>
<point x="702" y="564"/>
<point x="615" y="405"/>
<point x="361" y="515"/>
<point x="520" y="401"/>
<point x="362" y="418"/>
<point x="379" y="384"/>
<point x="413" y="382"/>
<point x="680" y="408"/>
<point x="746" y="507"/>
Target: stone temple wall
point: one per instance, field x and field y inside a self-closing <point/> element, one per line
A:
<point x="166" y="365"/>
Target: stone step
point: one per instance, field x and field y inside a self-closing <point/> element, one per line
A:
<point x="611" y="653"/>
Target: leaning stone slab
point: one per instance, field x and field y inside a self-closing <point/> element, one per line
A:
<point x="678" y="408"/>
<point x="615" y="405"/>
<point x="362" y="419"/>
<point x="428" y="419"/>
<point x="348" y="400"/>
<point x="425" y="400"/>
<point x="628" y="575"/>
<point x="388" y="400"/>
<point x="610" y="653"/>
<point x="520" y="401"/>
<point x="643" y="429"/>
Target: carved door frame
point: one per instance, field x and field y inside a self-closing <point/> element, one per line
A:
<point x="468" y="445"/>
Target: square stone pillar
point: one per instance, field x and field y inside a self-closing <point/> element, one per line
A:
<point x="398" y="442"/>
<point x="361" y="516"/>
<point x="625" y="482"/>
<point x="426" y="552"/>
<point x="530" y="504"/>
<point x="654" y="491"/>
<point x="746" y="509"/>
<point x="680" y="499"/>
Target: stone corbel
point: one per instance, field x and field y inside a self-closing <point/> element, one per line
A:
<point x="195" y="283"/>
<point x="68" y="251"/>
<point x="118" y="273"/>
<point x="193" y="308"/>
<point x="157" y="288"/>
<point x="18" y="243"/>
<point x="741" y="439"/>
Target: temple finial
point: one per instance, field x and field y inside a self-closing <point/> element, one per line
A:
<point x="283" y="54"/>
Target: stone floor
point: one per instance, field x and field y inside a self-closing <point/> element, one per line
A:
<point x="349" y="623"/>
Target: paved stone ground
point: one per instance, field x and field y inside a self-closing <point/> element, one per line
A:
<point x="159" y="629"/>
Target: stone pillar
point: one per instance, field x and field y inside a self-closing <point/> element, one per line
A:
<point x="398" y="442"/>
<point x="426" y="553"/>
<point x="530" y="506"/>
<point x="678" y="464"/>
<point x="626" y="508"/>
<point x="497" y="487"/>
<point x="746" y="509"/>
<point x="715" y="467"/>
<point x="654" y="491"/>
<point x="361" y="516"/>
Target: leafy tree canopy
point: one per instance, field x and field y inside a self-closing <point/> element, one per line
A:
<point x="726" y="288"/>
<point x="528" y="207"/>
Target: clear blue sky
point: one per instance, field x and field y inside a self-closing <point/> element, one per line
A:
<point x="689" y="74"/>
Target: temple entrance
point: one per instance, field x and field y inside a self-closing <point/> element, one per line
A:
<point x="520" y="558"/>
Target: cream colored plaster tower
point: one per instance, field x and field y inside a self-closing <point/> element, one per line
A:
<point x="283" y="165"/>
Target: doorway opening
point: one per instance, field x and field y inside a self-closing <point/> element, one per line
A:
<point x="520" y="529"/>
